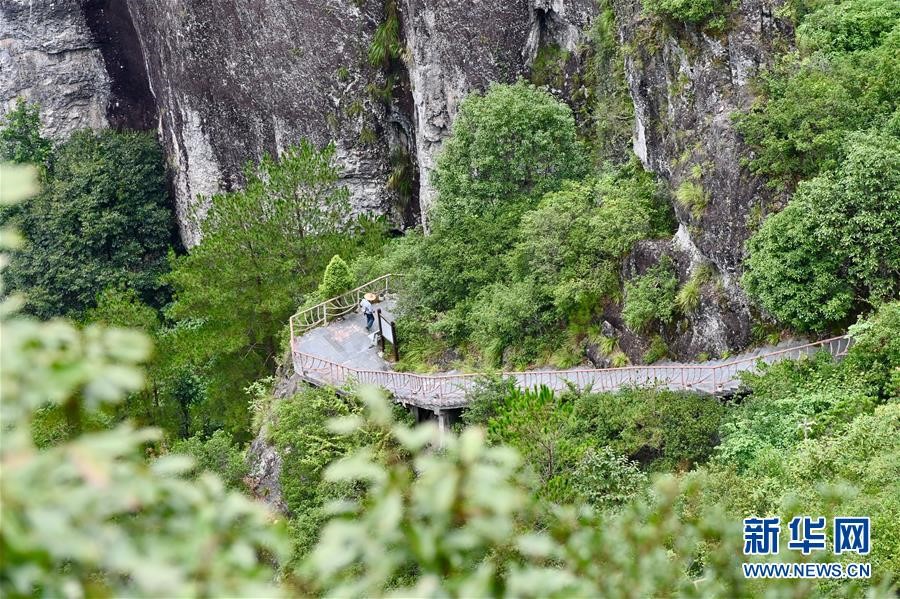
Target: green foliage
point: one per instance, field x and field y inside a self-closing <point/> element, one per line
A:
<point x="605" y="112"/>
<point x="459" y="522"/>
<point x="92" y="516"/>
<point x="103" y="220"/>
<point x="299" y="431"/>
<point x="650" y="298"/>
<point x="688" y="298"/>
<point x="692" y="197"/>
<point x="123" y="308"/>
<point x="606" y="480"/>
<point x="20" y="136"/>
<point x="690" y="11"/>
<point x="217" y="454"/>
<point x="548" y="66"/>
<point x="876" y="351"/>
<point x="514" y="279"/>
<point x="486" y="399"/>
<point x="662" y="430"/>
<point x="337" y="278"/>
<point x="514" y="141"/>
<point x="262" y="250"/>
<point x="385" y="45"/>
<point x="845" y="78"/>
<point x="835" y="244"/>
<point x="854" y="25"/>
<point x="657" y="351"/>
<point x="536" y="423"/>
<point x="811" y="437"/>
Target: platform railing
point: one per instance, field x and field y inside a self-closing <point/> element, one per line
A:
<point x="341" y="305"/>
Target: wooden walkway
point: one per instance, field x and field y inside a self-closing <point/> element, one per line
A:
<point x="329" y="346"/>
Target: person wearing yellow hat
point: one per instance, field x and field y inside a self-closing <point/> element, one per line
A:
<point x="368" y="309"/>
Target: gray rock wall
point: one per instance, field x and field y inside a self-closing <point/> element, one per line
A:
<point x="48" y="54"/>
<point x="234" y="79"/>
<point x="458" y="46"/>
<point x="686" y="83"/>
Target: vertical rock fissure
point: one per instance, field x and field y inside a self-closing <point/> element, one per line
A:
<point x="403" y="178"/>
<point x="131" y="105"/>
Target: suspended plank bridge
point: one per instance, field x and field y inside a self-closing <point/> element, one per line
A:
<point x="347" y="358"/>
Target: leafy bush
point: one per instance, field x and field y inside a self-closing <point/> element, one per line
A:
<point x="537" y="423"/>
<point x="337" y="278"/>
<point x="218" y="454"/>
<point x="300" y="434"/>
<point x="809" y="399"/>
<point x="875" y="355"/>
<point x="855" y="25"/>
<point x="650" y="298"/>
<point x="515" y="140"/>
<point x="20" y="136"/>
<point x="103" y="220"/>
<point x="834" y="242"/>
<point x="606" y="480"/>
<point x="659" y="429"/>
<point x="93" y="516"/>
<point x="812" y="101"/>
<point x="657" y="350"/>
<point x="691" y="11"/>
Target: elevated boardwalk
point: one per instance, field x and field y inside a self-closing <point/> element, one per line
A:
<point x="329" y="346"/>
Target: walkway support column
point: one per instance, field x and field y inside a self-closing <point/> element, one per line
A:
<point x="443" y="420"/>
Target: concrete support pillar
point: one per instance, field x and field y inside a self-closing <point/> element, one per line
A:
<point x="443" y="420"/>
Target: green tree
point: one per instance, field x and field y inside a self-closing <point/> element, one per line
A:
<point x="262" y="251"/>
<point x="337" y="278"/>
<point x="515" y="140"/>
<point x="103" y="220"/>
<point x="20" y="136"/>
<point x="93" y="516"/>
<point x="650" y="298"/>
<point x="835" y="245"/>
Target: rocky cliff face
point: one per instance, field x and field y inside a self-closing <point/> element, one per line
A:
<point x="235" y="79"/>
<point x="48" y="54"/>
<point x="686" y="82"/>
<point x="80" y="59"/>
<point x="226" y="81"/>
<point x="457" y="46"/>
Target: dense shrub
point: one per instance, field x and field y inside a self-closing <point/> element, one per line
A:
<point x="103" y="220"/>
<point x="20" y="136"/>
<point x="650" y="297"/>
<point x="659" y="429"/>
<point x="337" y="278"/>
<point x="845" y="78"/>
<point x="218" y="454"/>
<point x="836" y="242"/>
<point x="691" y="11"/>
<point x="855" y="25"/>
